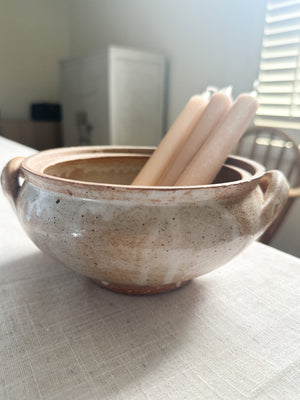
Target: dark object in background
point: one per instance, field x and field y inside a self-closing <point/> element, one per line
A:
<point x="45" y="112"/>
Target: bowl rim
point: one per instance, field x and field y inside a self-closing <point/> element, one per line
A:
<point x="33" y="167"/>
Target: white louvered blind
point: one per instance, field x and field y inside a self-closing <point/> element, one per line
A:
<point x="279" y="75"/>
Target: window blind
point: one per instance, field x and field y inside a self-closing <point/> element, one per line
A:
<point x="279" y="74"/>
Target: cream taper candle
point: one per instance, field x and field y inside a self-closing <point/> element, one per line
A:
<point x="217" y="107"/>
<point x="209" y="159"/>
<point x="172" y="141"/>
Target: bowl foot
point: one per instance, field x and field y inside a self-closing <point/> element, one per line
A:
<point x="139" y="290"/>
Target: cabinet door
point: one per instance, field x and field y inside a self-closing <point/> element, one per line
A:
<point x="72" y="100"/>
<point x="95" y="98"/>
<point x="84" y="96"/>
<point x="136" y="97"/>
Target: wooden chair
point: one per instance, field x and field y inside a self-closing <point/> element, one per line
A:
<point x="274" y="149"/>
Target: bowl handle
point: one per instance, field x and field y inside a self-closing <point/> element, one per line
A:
<point x="10" y="180"/>
<point x="276" y="191"/>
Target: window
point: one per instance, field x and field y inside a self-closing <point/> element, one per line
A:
<point x="279" y="75"/>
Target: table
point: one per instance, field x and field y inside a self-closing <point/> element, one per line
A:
<point x="231" y="334"/>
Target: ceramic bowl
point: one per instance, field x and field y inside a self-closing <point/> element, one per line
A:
<point x="77" y="205"/>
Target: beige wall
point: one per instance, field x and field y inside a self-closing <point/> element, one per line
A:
<point x="207" y="42"/>
<point x="34" y="35"/>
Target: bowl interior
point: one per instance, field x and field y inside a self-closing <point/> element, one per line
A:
<point x="121" y="169"/>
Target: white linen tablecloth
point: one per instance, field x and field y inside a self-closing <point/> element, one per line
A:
<point x="231" y="334"/>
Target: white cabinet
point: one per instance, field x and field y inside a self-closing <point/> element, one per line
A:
<point x="114" y="97"/>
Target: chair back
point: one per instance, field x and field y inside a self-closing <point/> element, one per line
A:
<point x="274" y="149"/>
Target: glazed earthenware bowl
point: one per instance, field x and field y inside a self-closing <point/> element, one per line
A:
<point x="78" y="206"/>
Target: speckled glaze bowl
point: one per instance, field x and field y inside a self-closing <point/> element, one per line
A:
<point x="77" y="205"/>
